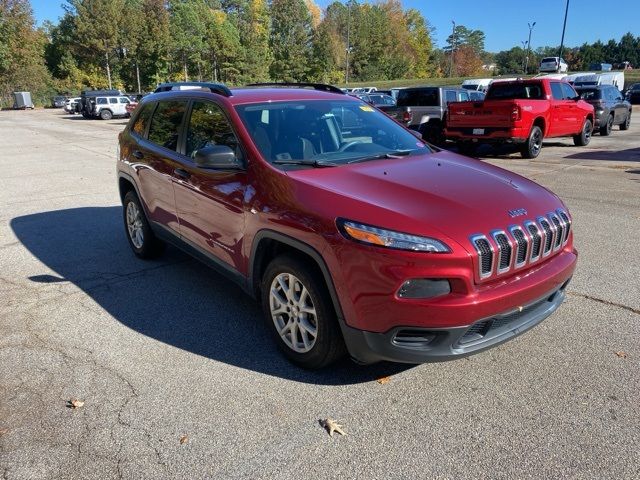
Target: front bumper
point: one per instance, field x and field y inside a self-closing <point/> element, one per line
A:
<point x="420" y="345"/>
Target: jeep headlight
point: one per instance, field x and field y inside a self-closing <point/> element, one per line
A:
<point x="381" y="237"/>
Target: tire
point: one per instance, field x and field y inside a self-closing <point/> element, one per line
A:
<point x="625" y="125"/>
<point x="605" y="130"/>
<point x="106" y="114"/>
<point x="141" y="238"/>
<point x="532" y="147"/>
<point x="293" y="334"/>
<point x="584" y="137"/>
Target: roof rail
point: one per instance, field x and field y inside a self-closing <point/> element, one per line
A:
<point x="219" y="88"/>
<point x="316" y="86"/>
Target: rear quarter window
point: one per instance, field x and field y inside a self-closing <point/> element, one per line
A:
<point x="141" y="121"/>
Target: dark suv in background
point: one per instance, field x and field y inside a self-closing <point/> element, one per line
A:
<point x="610" y="107"/>
<point x="355" y="235"/>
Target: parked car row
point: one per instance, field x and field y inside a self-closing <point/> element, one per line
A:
<point x="103" y="104"/>
<point x="525" y="112"/>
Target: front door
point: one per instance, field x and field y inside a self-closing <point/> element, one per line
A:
<point x="560" y="111"/>
<point x="210" y="203"/>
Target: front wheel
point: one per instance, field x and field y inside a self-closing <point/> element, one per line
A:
<point x="584" y="137"/>
<point x="531" y="148"/>
<point x="299" y="313"/>
<point x="625" y="125"/>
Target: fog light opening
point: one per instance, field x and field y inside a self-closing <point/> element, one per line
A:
<point x="424" y="288"/>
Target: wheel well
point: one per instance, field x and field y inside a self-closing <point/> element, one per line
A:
<point x="124" y="186"/>
<point x="590" y="117"/>
<point x="270" y="248"/>
<point x="539" y="122"/>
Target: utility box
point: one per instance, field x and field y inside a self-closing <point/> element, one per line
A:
<point x="22" y="100"/>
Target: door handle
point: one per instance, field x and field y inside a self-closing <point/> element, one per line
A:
<point x="182" y="173"/>
<point x="138" y="154"/>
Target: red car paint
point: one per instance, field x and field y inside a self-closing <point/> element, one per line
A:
<point x="441" y="195"/>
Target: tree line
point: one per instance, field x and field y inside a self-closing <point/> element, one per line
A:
<point x="133" y="45"/>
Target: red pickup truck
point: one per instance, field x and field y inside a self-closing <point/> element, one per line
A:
<point x="522" y="112"/>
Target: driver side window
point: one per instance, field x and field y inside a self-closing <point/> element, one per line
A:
<point x="208" y="126"/>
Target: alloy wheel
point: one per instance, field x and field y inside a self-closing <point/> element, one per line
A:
<point x="293" y="312"/>
<point x="134" y="225"/>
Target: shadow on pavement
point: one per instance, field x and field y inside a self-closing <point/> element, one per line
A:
<point x="629" y="155"/>
<point x="177" y="300"/>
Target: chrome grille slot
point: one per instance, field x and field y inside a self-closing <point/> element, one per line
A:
<point x="522" y="243"/>
<point x="485" y="254"/>
<point x="536" y="241"/>
<point x="565" y="218"/>
<point x="504" y="251"/>
<point x="548" y="236"/>
<point x="559" y="230"/>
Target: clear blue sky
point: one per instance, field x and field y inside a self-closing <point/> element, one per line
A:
<point x="503" y="21"/>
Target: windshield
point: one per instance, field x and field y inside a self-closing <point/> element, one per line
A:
<point x="328" y="132"/>
<point x="514" y="91"/>
<point x="589" y="94"/>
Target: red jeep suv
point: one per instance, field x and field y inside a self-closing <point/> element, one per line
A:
<point x="355" y="235"/>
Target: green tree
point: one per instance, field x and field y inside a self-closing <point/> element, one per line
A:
<point x="97" y="25"/>
<point x="22" y="64"/>
<point x="290" y="41"/>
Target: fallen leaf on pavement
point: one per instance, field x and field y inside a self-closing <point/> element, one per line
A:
<point x="75" y="403"/>
<point x="621" y="354"/>
<point x="383" y="380"/>
<point x="184" y="439"/>
<point x="332" y="426"/>
<point x="3" y="431"/>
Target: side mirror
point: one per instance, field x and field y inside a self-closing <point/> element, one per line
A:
<point x="220" y="157"/>
<point x="577" y="99"/>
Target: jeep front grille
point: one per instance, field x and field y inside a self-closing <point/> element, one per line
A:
<point x="520" y="245"/>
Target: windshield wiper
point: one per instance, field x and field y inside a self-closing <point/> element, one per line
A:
<point x="393" y="154"/>
<point x="311" y="163"/>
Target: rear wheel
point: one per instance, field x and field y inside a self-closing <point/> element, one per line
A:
<point x="605" y="130"/>
<point x="531" y="148"/>
<point x="584" y="137"/>
<point x="141" y="238"/>
<point x="106" y="114"/>
<point x="299" y="313"/>
<point x="625" y="125"/>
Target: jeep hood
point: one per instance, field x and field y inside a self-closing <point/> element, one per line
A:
<point x="439" y="192"/>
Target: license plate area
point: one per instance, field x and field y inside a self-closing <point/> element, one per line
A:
<point x="478" y="131"/>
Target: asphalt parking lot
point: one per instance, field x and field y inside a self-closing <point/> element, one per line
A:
<point x="180" y="380"/>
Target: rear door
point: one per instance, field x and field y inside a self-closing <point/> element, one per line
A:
<point x="560" y="112"/>
<point x="210" y="203"/>
<point x="156" y="158"/>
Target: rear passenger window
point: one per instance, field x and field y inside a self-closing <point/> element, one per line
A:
<point x="142" y="120"/>
<point x="165" y="124"/>
<point x="208" y="126"/>
<point x="556" y="91"/>
<point x="113" y="100"/>
<point x="101" y="101"/>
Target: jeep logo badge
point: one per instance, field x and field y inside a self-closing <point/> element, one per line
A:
<point x="517" y="212"/>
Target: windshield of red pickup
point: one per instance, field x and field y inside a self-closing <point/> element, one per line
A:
<point x="515" y="91"/>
